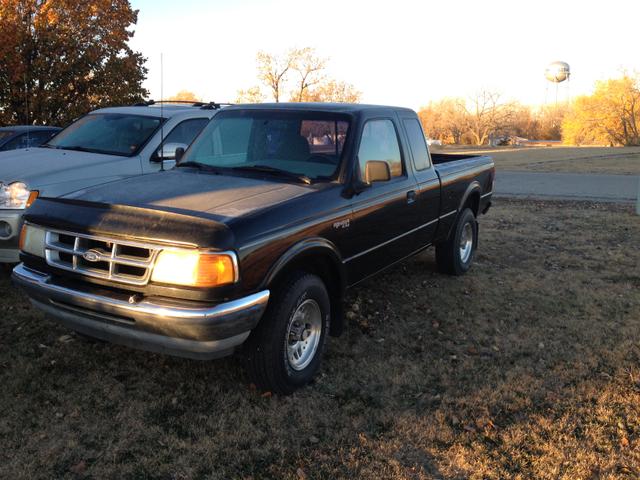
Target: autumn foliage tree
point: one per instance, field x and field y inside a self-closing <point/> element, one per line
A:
<point x="611" y="116"/>
<point x="444" y="120"/>
<point x="62" y="58"/>
<point x="184" y="96"/>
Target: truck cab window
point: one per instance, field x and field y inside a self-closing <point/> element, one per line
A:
<point x="417" y="143"/>
<point x="379" y="142"/>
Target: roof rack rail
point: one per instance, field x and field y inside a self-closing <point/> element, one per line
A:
<point x="214" y="105"/>
<point x="202" y="105"/>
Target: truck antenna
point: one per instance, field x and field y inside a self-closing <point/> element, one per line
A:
<point x="26" y="107"/>
<point x="161" y="116"/>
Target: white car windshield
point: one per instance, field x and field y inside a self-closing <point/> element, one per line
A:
<point x="109" y="133"/>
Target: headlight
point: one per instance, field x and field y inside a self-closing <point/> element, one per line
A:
<point x="195" y="269"/>
<point x="16" y="195"/>
<point x="32" y="240"/>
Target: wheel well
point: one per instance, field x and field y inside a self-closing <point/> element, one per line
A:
<point x="325" y="266"/>
<point x="473" y="202"/>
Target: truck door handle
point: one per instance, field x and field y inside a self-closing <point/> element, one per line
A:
<point x="411" y="196"/>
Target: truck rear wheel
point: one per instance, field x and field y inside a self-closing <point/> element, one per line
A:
<point x="284" y="351"/>
<point x="455" y="255"/>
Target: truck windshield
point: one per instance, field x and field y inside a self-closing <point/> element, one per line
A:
<point x="304" y="144"/>
<point x="109" y="133"/>
<point x="5" y="134"/>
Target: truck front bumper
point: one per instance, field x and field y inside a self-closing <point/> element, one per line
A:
<point x="182" y="329"/>
<point x="10" y="224"/>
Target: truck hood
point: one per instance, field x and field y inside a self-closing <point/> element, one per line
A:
<point x="38" y="167"/>
<point x="191" y="192"/>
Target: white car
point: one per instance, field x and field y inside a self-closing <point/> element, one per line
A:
<point x="105" y="145"/>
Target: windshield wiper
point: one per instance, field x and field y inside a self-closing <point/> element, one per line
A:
<point x="274" y="171"/>
<point x="199" y="166"/>
<point x="80" y="148"/>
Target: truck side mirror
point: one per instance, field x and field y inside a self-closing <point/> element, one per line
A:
<point x="168" y="151"/>
<point x="179" y="154"/>
<point x="377" y="171"/>
<point x="374" y="171"/>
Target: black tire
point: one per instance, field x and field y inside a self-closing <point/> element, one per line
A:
<point x="266" y="353"/>
<point x="7" y="268"/>
<point x="448" y="253"/>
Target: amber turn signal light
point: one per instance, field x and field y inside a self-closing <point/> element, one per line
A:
<point x="32" y="197"/>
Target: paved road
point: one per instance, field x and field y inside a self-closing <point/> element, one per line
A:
<point x="568" y="186"/>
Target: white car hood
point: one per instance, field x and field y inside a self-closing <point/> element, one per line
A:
<point x="38" y="167"/>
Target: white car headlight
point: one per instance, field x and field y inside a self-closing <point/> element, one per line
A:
<point x="16" y="196"/>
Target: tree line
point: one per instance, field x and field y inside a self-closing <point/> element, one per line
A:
<point x="484" y="118"/>
<point x="609" y="116"/>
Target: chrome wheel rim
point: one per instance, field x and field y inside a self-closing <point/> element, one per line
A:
<point x="466" y="242"/>
<point x="303" y="334"/>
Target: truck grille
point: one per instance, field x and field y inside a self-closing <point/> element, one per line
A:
<point x="100" y="257"/>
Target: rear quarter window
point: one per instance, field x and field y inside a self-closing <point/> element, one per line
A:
<point x="417" y="143"/>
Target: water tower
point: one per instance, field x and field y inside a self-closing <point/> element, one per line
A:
<point x="557" y="72"/>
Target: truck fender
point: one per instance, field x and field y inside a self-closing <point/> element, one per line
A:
<point x="322" y="249"/>
<point x="473" y="188"/>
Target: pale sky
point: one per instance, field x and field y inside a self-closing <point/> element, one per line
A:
<point x="397" y="52"/>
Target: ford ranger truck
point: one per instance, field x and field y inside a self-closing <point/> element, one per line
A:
<point x="250" y="242"/>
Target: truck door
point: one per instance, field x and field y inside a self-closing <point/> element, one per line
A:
<point x="386" y="213"/>
<point x="428" y="191"/>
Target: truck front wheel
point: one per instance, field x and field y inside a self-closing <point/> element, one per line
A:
<point x="455" y="255"/>
<point x="284" y="351"/>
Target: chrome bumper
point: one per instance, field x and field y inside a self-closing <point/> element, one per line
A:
<point x="159" y="325"/>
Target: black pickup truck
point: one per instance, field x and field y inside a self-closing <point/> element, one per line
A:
<point x="253" y="238"/>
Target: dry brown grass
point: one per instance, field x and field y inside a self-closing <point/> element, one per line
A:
<point x="528" y="367"/>
<point x="617" y="160"/>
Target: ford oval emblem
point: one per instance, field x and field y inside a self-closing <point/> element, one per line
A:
<point x="91" y="256"/>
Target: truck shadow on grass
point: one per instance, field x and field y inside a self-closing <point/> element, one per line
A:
<point x="525" y="368"/>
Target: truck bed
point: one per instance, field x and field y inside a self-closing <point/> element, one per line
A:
<point x="457" y="173"/>
<point x="440" y="158"/>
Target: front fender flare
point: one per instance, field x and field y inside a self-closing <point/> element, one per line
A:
<point x="302" y="249"/>
<point x="309" y="248"/>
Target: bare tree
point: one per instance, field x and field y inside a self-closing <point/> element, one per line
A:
<point x="485" y="115"/>
<point x="312" y="85"/>
<point x="273" y="70"/>
<point x="309" y="67"/>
